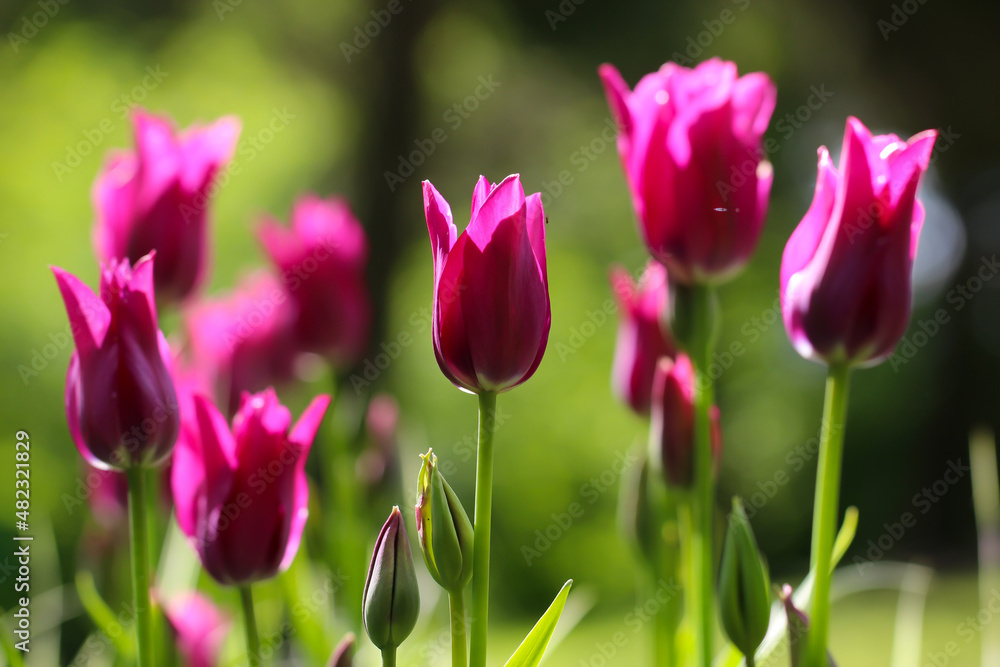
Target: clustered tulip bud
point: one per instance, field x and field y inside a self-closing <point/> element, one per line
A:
<point x="241" y="494"/>
<point x="690" y="144"/>
<point x="157" y="198"/>
<point x="444" y="528"/>
<point x="491" y="311"/>
<point x="798" y="630"/>
<point x="845" y="272"/>
<point x="343" y="655"/>
<point x="744" y="585"/>
<point x="322" y="264"/>
<point x="121" y="405"/>
<point x="391" y="597"/>
<point x="672" y="423"/>
<point x="199" y="629"/>
<point x="642" y="340"/>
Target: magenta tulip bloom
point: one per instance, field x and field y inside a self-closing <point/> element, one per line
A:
<point x="199" y="629"/>
<point x="244" y="341"/>
<point x="672" y="423"/>
<point x="157" y="198"/>
<point x="491" y="312"/>
<point x="121" y="405"/>
<point x="690" y="143"/>
<point x="845" y="272"/>
<point x="241" y="494"/>
<point x="642" y="340"/>
<point x="322" y="263"/>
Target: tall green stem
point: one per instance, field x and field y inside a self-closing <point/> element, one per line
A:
<point x="250" y="622"/>
<point x="140" y="563"/>
<point x="458" y="655"/>
<point x="825" y="508"/>
<point x="481" y="544"/>
<point x="702" y="594"/>
<point x="389" y="657"/>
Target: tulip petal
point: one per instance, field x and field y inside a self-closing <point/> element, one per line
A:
<point x="479" y="194"/>
<point x="304" y="431"/>
<point x="89" y="317"/>
<point x="804" y="241"/>
<point x="505" y="201"/>
<point x="440" y="226"/>
<point x="204" y="149"/>
<point x="451" y="345"/>
<point x="754" y="99"/>
<point x="617" y="92"/>
<point x="113" y="197"/>
<point x="536" y="233"/>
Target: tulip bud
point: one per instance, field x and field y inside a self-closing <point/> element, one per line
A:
<point x="672" y="423"/>
<point x="444" y="528"/>
<point x="744" y="585"/>
<point x="343" y="655"/>
<point x="798" y="630"/>
<point x="391" y="599"/>
<point x="198" y="629"/>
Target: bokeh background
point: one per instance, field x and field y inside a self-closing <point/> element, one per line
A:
<point x="513" y="88"/>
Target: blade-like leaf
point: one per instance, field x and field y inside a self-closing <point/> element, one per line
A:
<point x="102" y="616"/>
<point x="530" y="652"/>
<point x="845" y="536"/>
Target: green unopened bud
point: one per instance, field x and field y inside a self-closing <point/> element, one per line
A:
<point x="391" y="599"/>
<point x="744" y="585"/>
<point x="343" y="654"/>
<point x="444" y="528"/>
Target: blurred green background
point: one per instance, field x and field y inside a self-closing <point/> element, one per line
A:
<point x="513" y="88"/>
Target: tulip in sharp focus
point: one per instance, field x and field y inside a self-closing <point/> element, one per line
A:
<point x="244" y="341"/>
<point x="121" y="405"/>
<point x="642" y="340"/>
<point x="672" y="422"/>
<point x="157" y="198"/>
<point x="391" y="597"/>
<point x="241" y="494"/>
<point x="690" y="143"/>
<point x="846" y="270"/>
<point x="322" y="262"/>
<point x="444" y="529"/>
<point x="199" y="629"/>
<point x="491" y="312"/>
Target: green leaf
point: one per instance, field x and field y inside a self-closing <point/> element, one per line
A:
<point x="7" y="643"/>
<point x="845" y="536"/>
<point x="102" y="615"/>
<point x="530" y="652"/>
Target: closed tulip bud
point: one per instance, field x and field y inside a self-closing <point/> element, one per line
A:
<point x="343" y="655"/>
<point x="690" y="144"/>
<point x="642" y="338"/>
<point x="241" y="493"/>
<point x="671" y="438"/>
<point x="391" y="598"/>
<point x="444" y="528"/>
<point x="157" y="198"/>
<point x="798" y="630"/>
<point x="846" y="270"/>
<point x="744" y="585"/>
<point x="199" y="629"/>
<point x="491" y="311"/>
<point x="322" y="259"/>
<point x="121" y="405"/>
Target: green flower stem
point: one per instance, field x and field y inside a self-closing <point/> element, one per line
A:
<point x="458" y="655"/>
<point x="481" y="530"/>
<point x="250" y="622"/>
<point x="825" y="508"/>
<point x="137" y="514"/>
<point x="389" y="657"/>
<point x="702" y="593"/>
